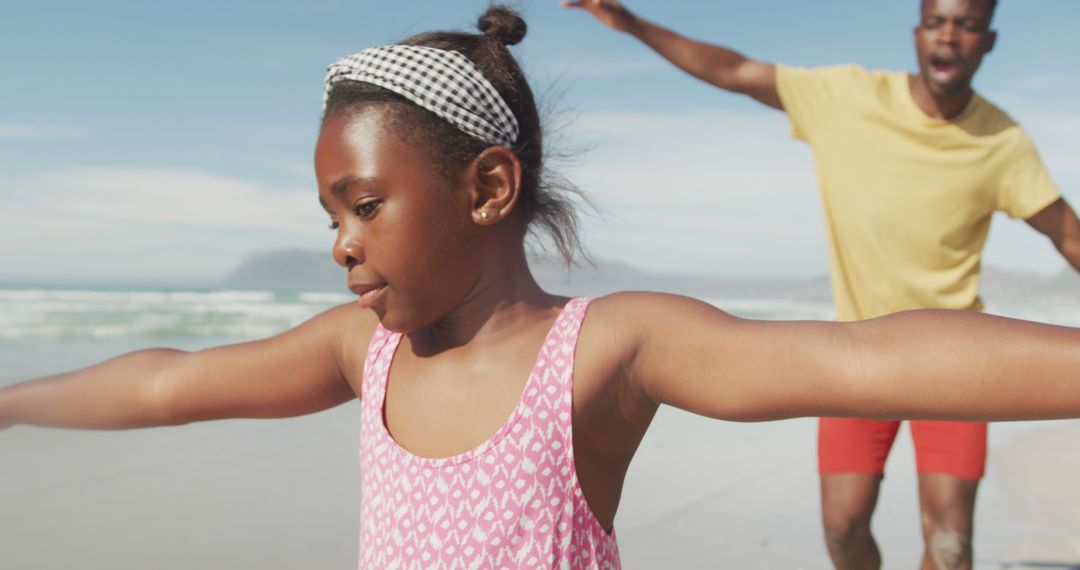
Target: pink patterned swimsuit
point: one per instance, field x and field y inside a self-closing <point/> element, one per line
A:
<point x="512" y="502"/>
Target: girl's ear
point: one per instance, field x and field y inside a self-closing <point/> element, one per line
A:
<point x="495" y="184"/>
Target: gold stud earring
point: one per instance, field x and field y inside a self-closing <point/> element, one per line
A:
<point x="484" y="214"/>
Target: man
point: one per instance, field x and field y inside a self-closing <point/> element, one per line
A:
<point x="911" y="169"/>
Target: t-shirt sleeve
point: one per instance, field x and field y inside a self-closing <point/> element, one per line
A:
<point x="811" y="95"/>
<point x="1026" y="187"/>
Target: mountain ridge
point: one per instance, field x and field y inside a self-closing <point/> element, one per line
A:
<point x="295" y="269"/>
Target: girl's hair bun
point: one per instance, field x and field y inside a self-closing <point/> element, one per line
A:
<point x="503" y="25"/>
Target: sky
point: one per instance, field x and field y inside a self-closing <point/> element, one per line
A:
<point x="152" y="142"/>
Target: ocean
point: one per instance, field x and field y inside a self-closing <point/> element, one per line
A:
<point x="45" y="329"/>
<point x="283" y="494"/>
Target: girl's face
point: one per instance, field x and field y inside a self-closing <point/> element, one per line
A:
<point x="404" y="233"/>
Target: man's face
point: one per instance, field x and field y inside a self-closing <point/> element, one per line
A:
<point x="950" y="41"/>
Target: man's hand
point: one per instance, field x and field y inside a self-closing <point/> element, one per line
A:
<point x="610" y="12"/>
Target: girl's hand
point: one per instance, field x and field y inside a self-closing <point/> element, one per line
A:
<point x="610" y="13"/>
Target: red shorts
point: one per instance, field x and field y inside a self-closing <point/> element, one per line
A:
<point x="848" y="445"/>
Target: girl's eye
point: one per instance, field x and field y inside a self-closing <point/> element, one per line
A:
<point x="333" y="225"/>
<point x="366" y="209"/>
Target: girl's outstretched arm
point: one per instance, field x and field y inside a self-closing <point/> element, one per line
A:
<point x="298" y="372"/>
<point x="926" y="364"/>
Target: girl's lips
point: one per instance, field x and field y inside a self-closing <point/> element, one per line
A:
<point x="367" y="294"/>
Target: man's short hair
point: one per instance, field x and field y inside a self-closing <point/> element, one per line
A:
<point x="991" y="6"/>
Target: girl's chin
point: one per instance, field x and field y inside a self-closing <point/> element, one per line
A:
<point x="396" y="321"/>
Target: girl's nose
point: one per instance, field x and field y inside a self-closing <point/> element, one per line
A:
<point x="347" y="250"/>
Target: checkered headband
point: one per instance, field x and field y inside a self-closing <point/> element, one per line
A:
<point x="441" y="81"/>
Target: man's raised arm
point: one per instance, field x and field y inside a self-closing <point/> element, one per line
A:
<point x="720" y="66"/>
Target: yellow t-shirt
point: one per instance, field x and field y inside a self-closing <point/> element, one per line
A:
<point x="908" y="199"/>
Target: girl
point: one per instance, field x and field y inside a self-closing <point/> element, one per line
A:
<point x="498" y="421"/>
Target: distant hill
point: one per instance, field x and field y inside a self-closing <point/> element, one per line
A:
<point x="287" y="270"/>
<point x="611" y="276"/>
<point x="292" y="270"/>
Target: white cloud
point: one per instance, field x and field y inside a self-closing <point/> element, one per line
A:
<point x="177" y="197"/>
<point x="703" y="191"/>
<point x="125" y="224"/>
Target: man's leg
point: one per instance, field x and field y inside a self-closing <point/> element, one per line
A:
<point x="847" y="504"/>
<point x="851" y="460"/>
<point x="948" y="511"/>
<point x="951" y="457"/>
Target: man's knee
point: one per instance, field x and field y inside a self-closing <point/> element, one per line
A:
<point x="955" y="516"/>
<point x="948" y="507"/>
<point x="948" y="548"/>
<point x="947" y="501"/>
<point x="845" y="526"/>
<point x="847" y="504"/>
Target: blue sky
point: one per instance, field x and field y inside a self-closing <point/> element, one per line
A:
<point x="160" y="142"/>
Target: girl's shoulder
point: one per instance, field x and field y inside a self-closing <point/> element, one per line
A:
<point x="349" y="321"/>
<point x="630" y="320"/>
<point x="347" y="331"/>
<point x="616" y="324"/>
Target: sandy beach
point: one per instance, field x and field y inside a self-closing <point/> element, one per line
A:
<point x="1032" y="505"/>
<point x="284" y="495"/>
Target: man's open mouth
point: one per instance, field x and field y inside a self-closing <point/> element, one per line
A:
<point x="945" y="65"/>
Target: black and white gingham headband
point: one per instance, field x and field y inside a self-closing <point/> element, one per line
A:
<point x="443" y="82"/>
